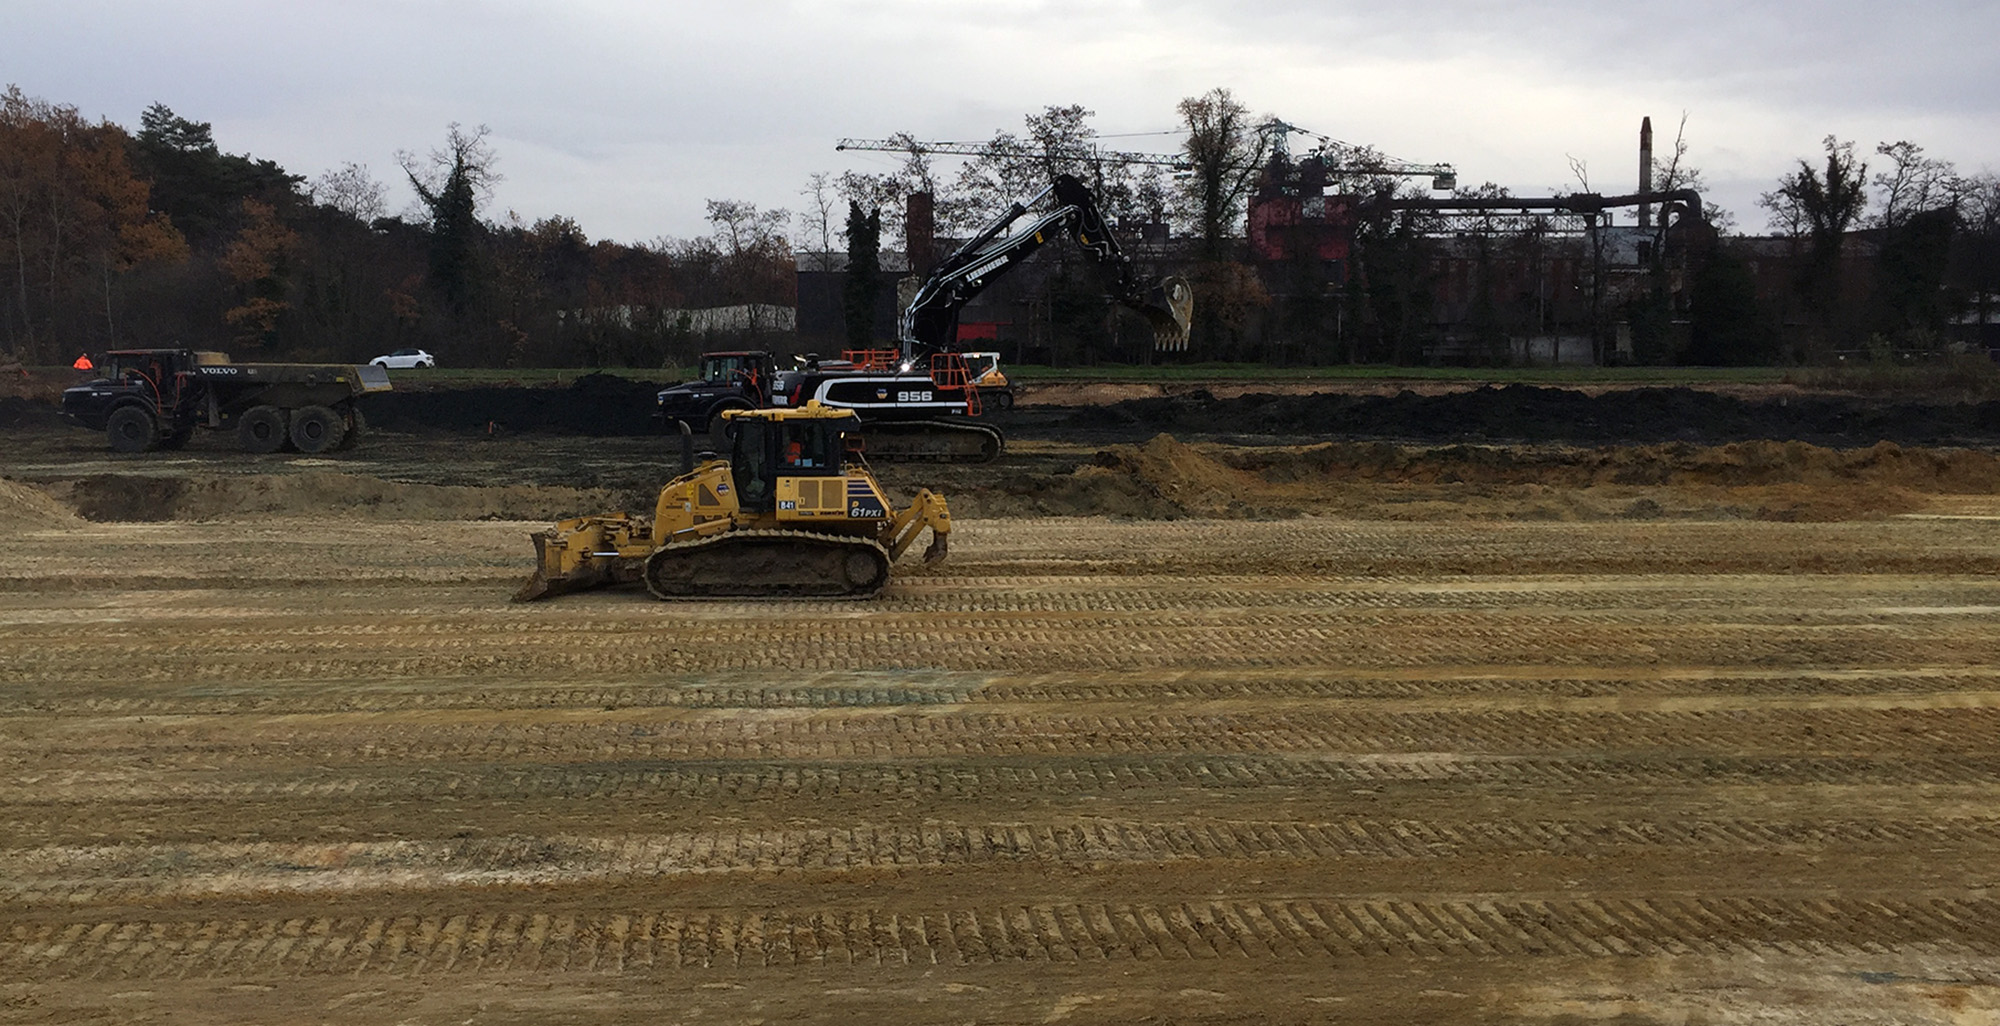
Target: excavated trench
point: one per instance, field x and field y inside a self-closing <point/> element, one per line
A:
<point x="606" y="406"/>
<point x="1513" y="452"/>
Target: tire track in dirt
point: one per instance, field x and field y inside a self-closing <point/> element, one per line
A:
<point x="1884" y="630"/>
<point x="623" y="781"/>
<point x="71" y="876"/>
<point x="644" y="941"/>
<point x="845" y="690"/>
<point x="1910" y="727"/>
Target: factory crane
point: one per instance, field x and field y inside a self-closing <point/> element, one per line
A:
<point x="1277" y="133"/>
<point x="1443" y="176"/>
<point x="965" y="149"/>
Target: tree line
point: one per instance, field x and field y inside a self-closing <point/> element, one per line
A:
<point x="158" y="237"/>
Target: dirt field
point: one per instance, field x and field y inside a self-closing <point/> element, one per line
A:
<point x="1352" y="733"/>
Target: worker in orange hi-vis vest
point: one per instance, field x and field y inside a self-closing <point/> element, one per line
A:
<point x="83" y="363"/>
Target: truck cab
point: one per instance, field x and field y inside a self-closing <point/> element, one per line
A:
<point x="159" y="384"/>
<point x="734" y="380"/>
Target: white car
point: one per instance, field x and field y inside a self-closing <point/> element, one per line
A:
<point x="404" y="359"/>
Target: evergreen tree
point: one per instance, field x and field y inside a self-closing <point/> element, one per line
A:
<point x="198" y="186"/>
<point x="864" y="241"/>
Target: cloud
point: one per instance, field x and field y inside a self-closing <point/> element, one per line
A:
<point x="628" y="115"/>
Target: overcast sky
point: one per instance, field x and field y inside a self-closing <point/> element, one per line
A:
<point x="627" y="115"/>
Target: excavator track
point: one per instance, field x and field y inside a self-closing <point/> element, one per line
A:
<point x="768" y="565"/>
<point x="940" y="441"/>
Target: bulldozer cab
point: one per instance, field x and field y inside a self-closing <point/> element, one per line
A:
<point x="771" y="444"/>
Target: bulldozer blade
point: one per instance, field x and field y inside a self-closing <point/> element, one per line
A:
<point x="541" y="586"/>
<point x="537" y="587"/>
<point x="1169" y="308"/>
<point x="544" y="585"/>
<point x="940" y="543"/>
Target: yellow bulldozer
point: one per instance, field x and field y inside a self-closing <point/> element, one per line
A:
<point x="792" y="513"/>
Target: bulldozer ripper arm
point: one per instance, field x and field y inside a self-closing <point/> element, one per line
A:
<point x="587" y="552"/>
<point x="929" y="510"/>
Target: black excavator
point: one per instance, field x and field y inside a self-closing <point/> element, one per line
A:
<point x="919" y="401"/>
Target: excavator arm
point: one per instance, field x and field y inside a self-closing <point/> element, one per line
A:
<point x="1167" y="305"/>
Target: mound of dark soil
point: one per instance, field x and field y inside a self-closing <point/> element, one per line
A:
<point x="1530" y="414"/>
<point x="601" y="405"/>
<point x="598" y="405"/>
<point x="20" y="413"/>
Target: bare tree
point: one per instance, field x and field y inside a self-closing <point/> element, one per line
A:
<point x="1225" y="154"/>
<point x="1819" y="209"/>
<point x="755" y="261"/>
<point x="1913" y="184"/>
<point x="351" y="190"/>
<point x="816" y="220"/>
<point x="465" y="164"/>
<point x="1675" y="172"/>
<point x="452" y="183"/>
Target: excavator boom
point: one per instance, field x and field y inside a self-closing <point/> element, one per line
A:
<point x="1167" y="305"/>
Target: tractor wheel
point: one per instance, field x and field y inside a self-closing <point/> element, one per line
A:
<point x="262" y="429"/>
<point x="316" y="429"/>
<point x="132" y="429"/>
<point x="720" y="429"/>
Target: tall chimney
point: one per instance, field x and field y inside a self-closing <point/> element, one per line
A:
<point x="1645" y="170"/>
<point x="920" y="232"/>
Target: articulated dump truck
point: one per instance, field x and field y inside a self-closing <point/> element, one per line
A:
<point x="792" y="513"/>
<point x="149" y="399"/>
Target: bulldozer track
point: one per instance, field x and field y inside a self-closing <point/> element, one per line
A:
<point x="932" y="441"/>
<point x="806" y="548"/>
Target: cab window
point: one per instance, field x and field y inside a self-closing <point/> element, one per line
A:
<point x="809" y="448"/>
<point x="750" y="465"/>
<point x="721" y="369"/>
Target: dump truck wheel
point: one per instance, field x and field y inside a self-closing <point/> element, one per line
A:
<point x="356" y="424"/>
<point x="132" y="429"/>
<point x="262" y="429"/>
<point x="317" y="429"/>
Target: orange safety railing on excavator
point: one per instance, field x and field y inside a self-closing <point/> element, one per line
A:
<point x="872" y="359"/>
<point x="949" y="371"/>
